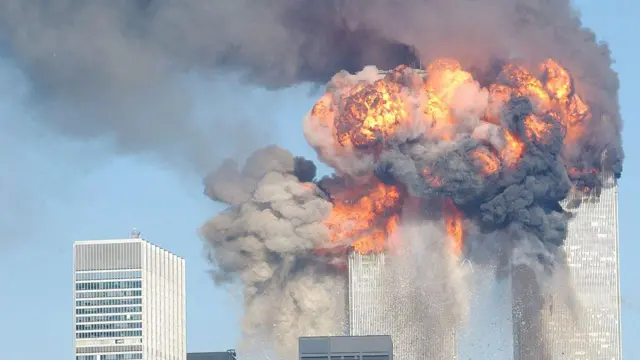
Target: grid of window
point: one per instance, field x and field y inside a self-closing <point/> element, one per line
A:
<point x="108" y="318"/>
<point x="593" y="330"/>
<point x="109" y="302"/>
<point x="107" y="294"/>
<point x="121" y="356"/>
<point x="108" y="334"/>
<point x="113" y="326"/>
<point x="107" y="285"/>
<point x="130" y="356"/>
<point x="592" y="256"/>
<point x="109" y="310"/>
<point x="111" y="349"/>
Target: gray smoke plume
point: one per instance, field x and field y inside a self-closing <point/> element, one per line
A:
<point x="109" y="67"/>
<point x="265" y="241"/>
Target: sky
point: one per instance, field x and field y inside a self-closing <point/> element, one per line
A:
<point x="58" y="190"/>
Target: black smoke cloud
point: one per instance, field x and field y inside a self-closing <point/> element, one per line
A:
<point x="109" y="67"/>
<point x="525" y="199"/>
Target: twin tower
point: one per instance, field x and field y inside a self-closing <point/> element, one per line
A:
<point x="542" y="329"/>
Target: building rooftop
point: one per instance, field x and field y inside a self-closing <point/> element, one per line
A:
<point x="135" y="237"/>
<point x="221" y="355"/>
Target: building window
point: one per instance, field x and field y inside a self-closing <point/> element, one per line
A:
<point x="114" y="326"/>
<point x="107" y="285"/>
<point x="108" y="334"/>
<point x="108" y="318"/>
<point x="107" y="294"/>
<point x="111" y="349"/>
<point x="109" y="302"/>
<point x="121" y="356"/>
<point x="109" y="310"/>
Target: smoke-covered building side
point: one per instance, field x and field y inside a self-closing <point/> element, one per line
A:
<point x="588" y="326"/>
<point x="377" y="307"/>
<point x="431" y="167"/>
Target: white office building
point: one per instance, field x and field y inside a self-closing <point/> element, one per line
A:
<point x="129" y="301"/>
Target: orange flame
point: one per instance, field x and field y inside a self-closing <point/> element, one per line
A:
<point x="366" y="221"/>
<point x="489" y="163"/>
<point x="574" y="112"/>
<point x="536" y="129"/>
<point x="430" y="178"/>
<point x="453" y="225"/>
<point x="525" y="84"/>
<point x="370" y="111"/>
<point x="512" y="150"/>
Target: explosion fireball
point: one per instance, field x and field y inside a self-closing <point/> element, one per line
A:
<point x="363" y="118"/>
<point x="482" y="160"/>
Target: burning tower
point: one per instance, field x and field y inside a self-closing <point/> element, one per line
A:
<point x="378" y="305"/>
<point x="430" y="167"/>
<point x="587" y="327"/>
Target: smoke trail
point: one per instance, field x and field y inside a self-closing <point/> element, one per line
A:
<point x="108" y="67"/>
<point x="265" y="241"/>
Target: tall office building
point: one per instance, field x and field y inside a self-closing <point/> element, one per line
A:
<point x="129" y="301"/>
<point x="589" y="329"/>
<point x="379" y="304"/>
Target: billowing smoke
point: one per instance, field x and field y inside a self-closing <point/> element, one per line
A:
<point x="484" y="146"/>
<point x="265" y="241"/>
<point x="111" y="67"/>
<point x="487" y="165"/>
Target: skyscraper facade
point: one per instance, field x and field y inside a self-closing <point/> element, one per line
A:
<point x="379" y="305"/>
<point x="589" y="328"/>
<point x="129" y="301"/>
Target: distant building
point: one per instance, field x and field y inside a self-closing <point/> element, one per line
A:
<point x="222" y="355"/>
<point x="129" y="301"/>
<point x="346" y="348"/>
<point x="549" y="329"/>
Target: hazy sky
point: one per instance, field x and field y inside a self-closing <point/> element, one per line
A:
<point x="59" y="191"/>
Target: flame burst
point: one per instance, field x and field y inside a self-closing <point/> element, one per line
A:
<point x="453" y="225"/>
<point x="363" y="115"/>
<point x="371" y="112"/>
<point x="489" y="164"/>
<point x="366" y="219"/>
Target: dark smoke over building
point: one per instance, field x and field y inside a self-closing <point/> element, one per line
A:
<point x="487" y="165"/>
<point x="109" y="67"/>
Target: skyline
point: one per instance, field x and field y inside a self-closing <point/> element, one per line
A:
<point x="97" y="202"/>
